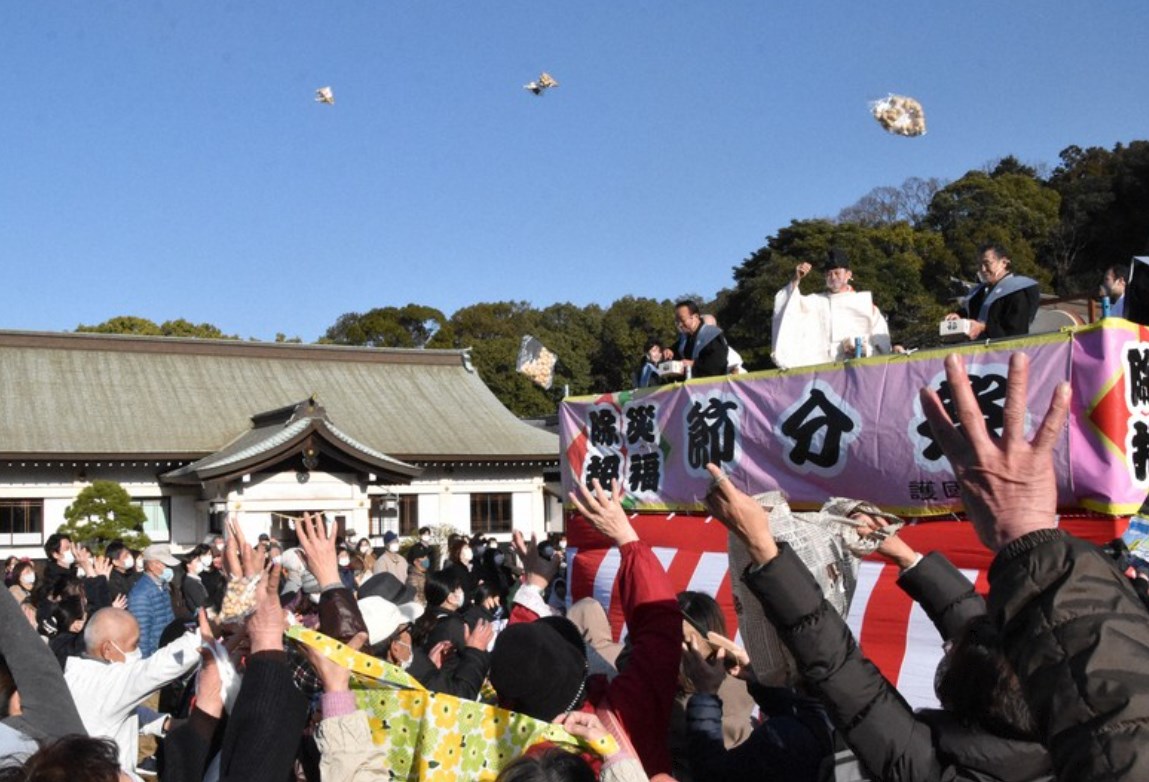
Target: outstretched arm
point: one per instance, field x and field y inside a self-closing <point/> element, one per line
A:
<point x="1074" y="629"/>
<point x="877" y="722"/>
<point x="643" y="693"/>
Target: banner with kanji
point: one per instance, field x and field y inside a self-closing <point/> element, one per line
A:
<point x="857" y="429"/>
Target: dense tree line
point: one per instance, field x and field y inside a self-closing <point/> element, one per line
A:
<point x="911" y="245"/>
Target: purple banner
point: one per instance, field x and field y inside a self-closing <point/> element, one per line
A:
<point x="857" y="429"/>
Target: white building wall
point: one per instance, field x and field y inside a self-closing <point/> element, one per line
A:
<point x="444" y="497"/>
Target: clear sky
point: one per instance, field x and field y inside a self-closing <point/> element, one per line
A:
<point x="167" y="159"/>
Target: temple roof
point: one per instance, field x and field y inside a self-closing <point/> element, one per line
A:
<point x="282" y="435"/>
<point x="71" y="395"/>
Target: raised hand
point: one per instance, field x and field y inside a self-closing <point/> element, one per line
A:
<point x="318" y="545"/>
<point x="537" y="569"/>
<point x="267" y="624"/>
<point x="334" y="676"/>
<point x="892" y="548"/>
<point x="706" y="672"/>
<point x="101" y="566"/>
<point x="441" y="652"/>
<point x="480" y="637"/>
<point x="742" y="515"/>
<point x="1008" y="484"/>
<point x="239" y="559"/>
<point x="604" y="511"/>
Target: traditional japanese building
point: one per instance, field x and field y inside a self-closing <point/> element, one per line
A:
<point x="379" y="439"/>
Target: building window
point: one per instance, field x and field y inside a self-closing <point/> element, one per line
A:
<point x="394" y="512"/>
<point x="490" y="513"/>
<point x="21" y="522"/>
<point x="408" y="514"/>
<point x="158" y="525"/>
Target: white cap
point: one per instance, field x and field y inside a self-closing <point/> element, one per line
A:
<point x="383" y="617"/>
<point x="161" y="552"/>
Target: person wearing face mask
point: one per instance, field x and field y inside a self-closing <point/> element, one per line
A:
<point x="150" y="600"/>
<point x="391" y="561"/>
<point x="123" y="576"/>
<point x="390" y="638"/>
<point x="442" y="620"/>
<point x="460" y="563"/>
<point x="61" y="559"/>
<point x="194" y="591"/>
<point x="112" y="678"/>
<point x="418" y="564"/>
<point x="23" y="581"/>
<point x="347" y="569"/>
<point x="367" y="554"/>
<point x="213" y="578"/>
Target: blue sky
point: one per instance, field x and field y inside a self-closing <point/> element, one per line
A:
<point x="168" y="160"/>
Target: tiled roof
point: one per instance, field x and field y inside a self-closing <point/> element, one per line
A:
<point x="78" y="395"/>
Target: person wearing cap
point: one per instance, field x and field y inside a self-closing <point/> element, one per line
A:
<point x="823" y="327"/>
<point x="150" y="601"/>
<point x="1003" y="304"/>
<point x="391" y="561"/>
<point x="389" y="627"/>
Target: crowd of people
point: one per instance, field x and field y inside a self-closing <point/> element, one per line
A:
<point x="1048" y="678"/>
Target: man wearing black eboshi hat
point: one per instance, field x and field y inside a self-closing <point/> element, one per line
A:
<point x="820" y="328"/>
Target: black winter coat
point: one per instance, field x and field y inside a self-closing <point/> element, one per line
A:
<point x="891" y="740"/>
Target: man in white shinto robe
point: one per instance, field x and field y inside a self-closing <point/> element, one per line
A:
<point x="820" y="328"/>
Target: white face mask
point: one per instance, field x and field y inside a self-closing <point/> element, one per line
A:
<point x="392" y="547"/>
<point x="457" y="597"/>
<point x="129" y="657"/>
<point x="139" y="566"/>
<point x="128" y="563"/>
<point x="425" y="538"/>
<point x="344" y="561"/>
<point x="205" y="561"/>
<point x="68" y="558"/>
<point x="28" y="579"/>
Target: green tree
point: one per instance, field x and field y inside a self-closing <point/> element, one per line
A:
<point x="411" y="326"/>
<point x="185" y="328"/>
<point x="572" y="334"/>
<point x="1104" y="216"/>
<point x="1013" y="209"/>
<point x="493" y="332"/>
<point x="124" y="324"/>
<point x="626" y="327"/>
<point x="131" y="324"/>
<point x="102" y="512"/>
